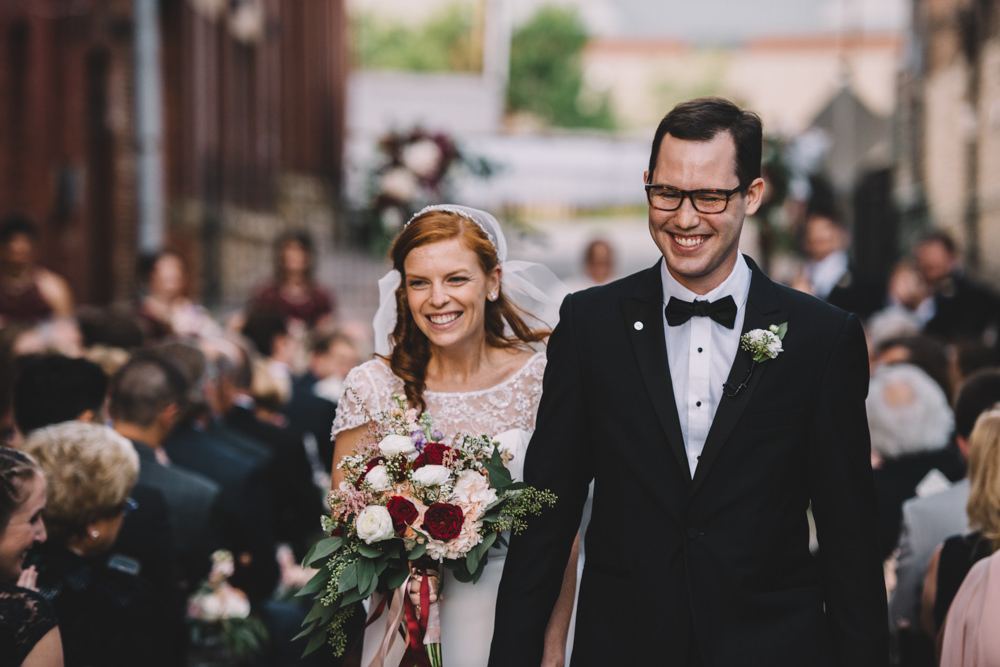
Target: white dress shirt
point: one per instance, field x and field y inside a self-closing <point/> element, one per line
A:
<point x="701" y="353"/>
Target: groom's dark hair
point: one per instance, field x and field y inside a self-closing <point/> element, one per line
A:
<point x="703" y="118"/>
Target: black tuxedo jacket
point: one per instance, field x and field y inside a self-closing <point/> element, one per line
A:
<point x="714" y="570"/>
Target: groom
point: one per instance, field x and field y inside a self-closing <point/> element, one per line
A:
<point x="704" y="462"/>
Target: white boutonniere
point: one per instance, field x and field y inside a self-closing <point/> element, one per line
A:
<point x="764" y="344"/>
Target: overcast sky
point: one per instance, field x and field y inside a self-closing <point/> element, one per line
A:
<point x="730" y="20"/>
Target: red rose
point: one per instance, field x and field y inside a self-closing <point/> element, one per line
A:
<point x="403" y="513"/>
<point x="443" y="521"/>
<point x="378" y="460"/>
<point x="433" y="455"/>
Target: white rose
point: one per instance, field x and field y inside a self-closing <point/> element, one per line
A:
<point x="399" y="184"/>
<point x="374" y="524"/>
<point x="471" y="487"/>
<point x="773" y="346"/>
<point x="392" y="445"/>
<point x="432" y="475"/>
<point x="378" y="479"/>
<point x="423" y="158"/>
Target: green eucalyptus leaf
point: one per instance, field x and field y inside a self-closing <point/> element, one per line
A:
<point x="366" y="572"/>
<point x="322" y="549"/>
<point x="316" y="584"/>
<point x="368" y="551"/>
<point x="348" y="578"/>
<point x="351" y="598"/>
<point x="500" y="477"/>
<point x="315" y="642"/>
<point x="472" y="560"/>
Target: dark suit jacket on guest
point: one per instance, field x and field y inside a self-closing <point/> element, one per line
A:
<point x="244" y="505"/>
<point x="714" y="570"/>
<point x="964" y="309"/>
<point x="297" y="502"/>
<point x="193" y="512"/>
<point x="856" y="293"/>
<point x="309" y="414"/>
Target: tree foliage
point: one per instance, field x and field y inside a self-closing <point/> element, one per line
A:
<point x="546" y="72"/>
<point x="450" y="40"/>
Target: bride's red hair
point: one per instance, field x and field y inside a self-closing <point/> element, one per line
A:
<point x="411" y="349"/>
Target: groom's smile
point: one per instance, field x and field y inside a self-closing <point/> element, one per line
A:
<point x="700" y="248"/>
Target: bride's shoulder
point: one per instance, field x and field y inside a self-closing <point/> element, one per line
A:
<point x="528" y="364"/>
<point x="372" y="376"/>
<point x="535" y="365"/>
<point x="368" y="389"/>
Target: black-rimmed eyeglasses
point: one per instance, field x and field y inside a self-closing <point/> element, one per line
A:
<point x="666" y="198"/>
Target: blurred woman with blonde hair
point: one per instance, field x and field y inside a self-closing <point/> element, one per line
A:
<point x="953" y="559"/>
<point x="106" y="612"/>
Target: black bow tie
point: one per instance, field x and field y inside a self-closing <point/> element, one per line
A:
<point x="722" y="311"/>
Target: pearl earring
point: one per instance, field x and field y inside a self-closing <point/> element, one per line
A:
<point x="94" y="534"/>
<point x="493" y="296"/>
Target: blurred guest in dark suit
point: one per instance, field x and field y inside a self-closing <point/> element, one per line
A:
<point x="315" y="394"/>
<point x="963" y="308"/>
<point x="244" y="503"/>
<point x="147" y="398"/>
<point x="830" y="273"/>
<point x="297" y="501"/>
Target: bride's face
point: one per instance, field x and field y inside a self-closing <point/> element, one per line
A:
<point x="446" y="290"/>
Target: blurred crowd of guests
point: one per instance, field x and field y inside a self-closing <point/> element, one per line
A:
<point x="934" y="416"/>
<point x="153" y="437"/>
<point x="155" y="434"/>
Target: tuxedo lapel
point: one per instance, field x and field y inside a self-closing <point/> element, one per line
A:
<point x="643" y="314"/>
<point x="763" y="310"/>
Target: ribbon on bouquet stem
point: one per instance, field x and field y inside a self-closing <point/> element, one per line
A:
<point x="419" y="631"/>
<point x="397" y="600"/>
<point x="425" y="628"/>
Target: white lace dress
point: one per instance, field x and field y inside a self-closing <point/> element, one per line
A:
<point x="507" y="411"/>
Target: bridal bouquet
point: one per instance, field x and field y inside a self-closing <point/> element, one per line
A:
<point x="409" y="499"/>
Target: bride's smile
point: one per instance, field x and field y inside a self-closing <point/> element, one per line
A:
<point x="446" y="290"/>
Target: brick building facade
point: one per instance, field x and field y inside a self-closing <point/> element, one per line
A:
<point x="253" y="98"/>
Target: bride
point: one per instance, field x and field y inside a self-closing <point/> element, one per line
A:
<point x="460" y="333"/>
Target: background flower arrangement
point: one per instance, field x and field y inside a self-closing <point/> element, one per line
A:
<point x="222" y="630"/>
<point x="416" y="168"/>
<point x="408" y="503"/>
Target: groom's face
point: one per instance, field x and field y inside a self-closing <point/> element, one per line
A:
<point x="700" y="249"/>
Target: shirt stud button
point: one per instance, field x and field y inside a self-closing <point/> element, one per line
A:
<point x="638" y="326"/>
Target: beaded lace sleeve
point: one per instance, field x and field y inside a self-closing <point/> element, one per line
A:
<point x="368" y="389"/>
